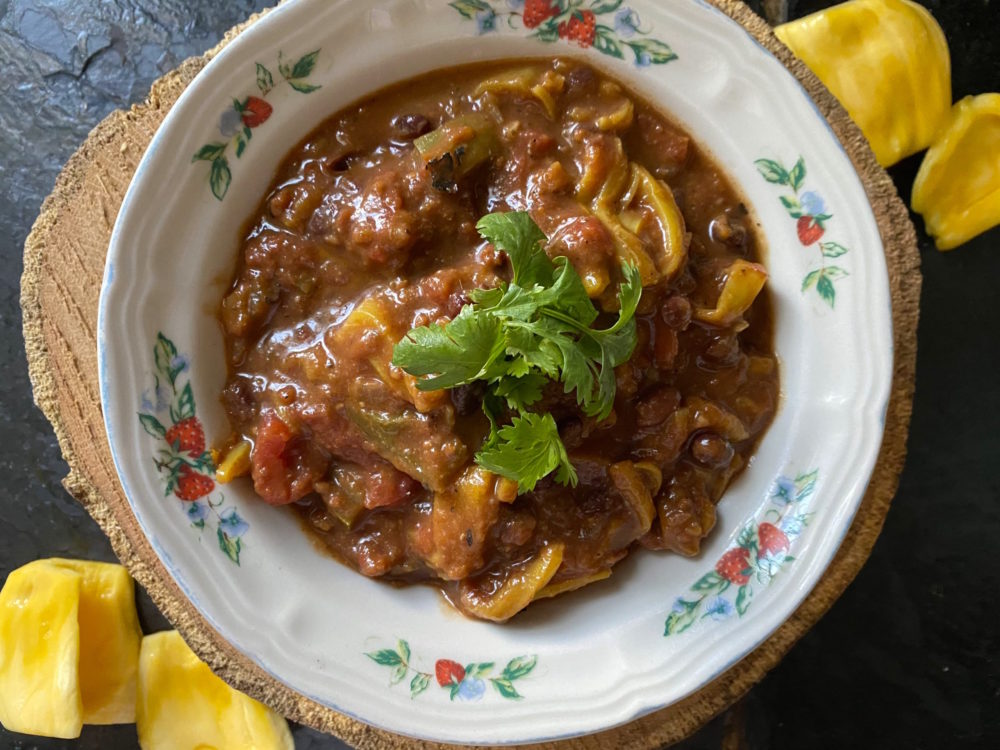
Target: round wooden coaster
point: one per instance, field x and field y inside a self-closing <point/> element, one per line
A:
<point x="63" y="264"/>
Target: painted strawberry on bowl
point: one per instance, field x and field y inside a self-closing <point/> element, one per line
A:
<point x="607" y="26"/>
<point x="185" y="467"/>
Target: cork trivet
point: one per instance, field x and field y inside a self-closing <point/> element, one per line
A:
<point x="63" y="263"/>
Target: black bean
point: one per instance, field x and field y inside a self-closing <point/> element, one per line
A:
<point x="571" y="432"/>
<point x="712" y="450"/>
<point x="724" y="349"/>
<point x="408" y="127"/>
<point x="580" y="81"/>
<point x="676" y="312"/>
<point x="654" y="408"/>
<point x="467" y="398"/>
<point x="686" y="283"/>
<point x="342" y="162"/>
<point x="725" y="229"/>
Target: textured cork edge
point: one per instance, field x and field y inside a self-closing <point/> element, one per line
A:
<point x="63" y="267"/>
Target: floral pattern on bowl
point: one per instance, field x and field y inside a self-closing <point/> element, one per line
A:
<point x="237" y="123"/>
<point x="810" y="213"/>
<point x="181" y="459"/>
<point x="606" y="25"/>
<point x="467" y="683"/>
<point x="760" y="552"/>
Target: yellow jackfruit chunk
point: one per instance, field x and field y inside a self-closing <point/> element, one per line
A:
<point x="743" y="283"/>
<point x="235" y="463"/>
<point x="109" y="641"/>
<point x="69" y="647"/>
<point x="572" y="584"/>
<point x="957" y="189"/>
<point x="371" y="322"/>
<point x="40" y="652"/>
<point x="517" y="591"/>
<point x="887" y="62"/>
<point x="183" y="706"/>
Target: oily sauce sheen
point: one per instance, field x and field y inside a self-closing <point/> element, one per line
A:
<point x="359" y="240"/>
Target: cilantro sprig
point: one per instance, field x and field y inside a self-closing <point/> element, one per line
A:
<point x="516" y="337"/>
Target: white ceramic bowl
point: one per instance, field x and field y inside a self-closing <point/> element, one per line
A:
<point x="662" y="626"/>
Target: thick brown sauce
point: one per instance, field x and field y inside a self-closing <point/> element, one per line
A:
<point x="354" y="245"/>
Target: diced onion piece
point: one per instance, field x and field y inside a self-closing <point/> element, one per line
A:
<point x="406" y="386"/>
<point x="517" y="590"/>
<point x="235" y="464"/>
<point x="183" y="705"/>
<point x="506" y="490"/>
<point x="595" y="281"/>
<point x="957" y="189"/>
<point x="760" y="365"/>
<point x="743" y="283"/>
<point x="572" y="584"/>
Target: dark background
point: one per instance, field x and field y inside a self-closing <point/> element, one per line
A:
<point x="907" y="658"/>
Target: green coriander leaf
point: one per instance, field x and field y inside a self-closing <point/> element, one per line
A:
<point x="460" y="352"/>
<point x="522" y="391"/>
<point x="577" y="370"/>
<point x="493" y="409"/>
<point x="611" y="347"/>
<point x="516" y="303"/>
<point x="517" y="235"/>
<point x="619" y="344"/>
<point x="565" y="472"/>
<point x="517" y="367"/>
<point x="485" y="298"/>
<point x="568" y="295"/>
<point x="629" y="293"/>
<point x="526" y="349"/>
<point x="526" y="450"/>
<point x="605" y="401"/>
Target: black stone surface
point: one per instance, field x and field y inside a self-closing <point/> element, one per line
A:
<point x="910" y="655"/>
